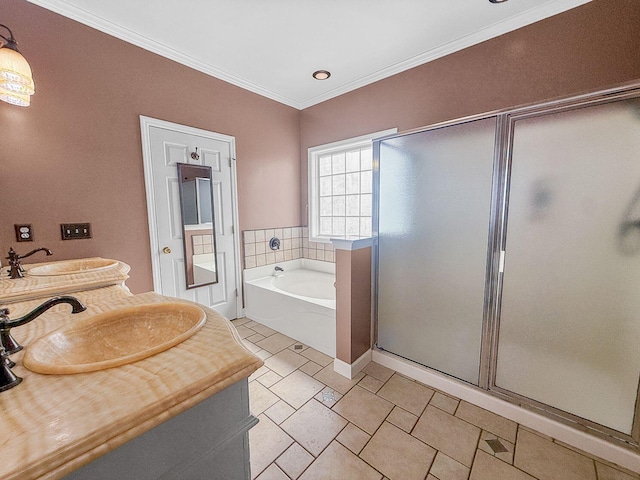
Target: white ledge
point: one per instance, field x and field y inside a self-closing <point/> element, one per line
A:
<point x="351" y="370"/>
<point x="353" y="243"/>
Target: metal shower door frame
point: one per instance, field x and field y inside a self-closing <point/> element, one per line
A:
<point x="496" y="245"/>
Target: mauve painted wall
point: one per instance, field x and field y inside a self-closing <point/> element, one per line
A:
<point x="75" y="154"/>
<point x="587" y="48"/>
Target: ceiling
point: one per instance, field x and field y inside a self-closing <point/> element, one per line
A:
<point x="271" y="47"/>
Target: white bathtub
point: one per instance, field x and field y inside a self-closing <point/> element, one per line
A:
<point x="299" y="302"/>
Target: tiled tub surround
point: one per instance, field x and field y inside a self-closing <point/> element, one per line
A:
<point x="294" y="244"/>
<point x="202" y="244"/>
<point x="307" y="312"/>
<point x="316" y="424"/>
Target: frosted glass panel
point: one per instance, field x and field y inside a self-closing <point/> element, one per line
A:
<point x="435" y="199"/>
<point x="570" y="320"/>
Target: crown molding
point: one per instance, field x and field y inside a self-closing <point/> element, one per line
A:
<point x="548" y="9"/>
<point x="86" y="18"/>
<point x="510" y="24"/>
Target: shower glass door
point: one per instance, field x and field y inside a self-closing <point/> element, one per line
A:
<point x="569" y="325"/>
<point x="433" y="225"/>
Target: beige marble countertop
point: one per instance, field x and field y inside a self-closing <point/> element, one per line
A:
<point x="29" y="287"/>
<point x="53" y="424"/>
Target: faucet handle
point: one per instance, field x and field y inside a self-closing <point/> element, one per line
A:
<point x="8" y="379"/>
<point x="5" y="359"/>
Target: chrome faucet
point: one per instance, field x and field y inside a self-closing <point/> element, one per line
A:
<point x="15" y="270"/>
<point x="6" y="324"/>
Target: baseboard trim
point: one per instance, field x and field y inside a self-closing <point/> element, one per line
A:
<point x="351" y="370"/>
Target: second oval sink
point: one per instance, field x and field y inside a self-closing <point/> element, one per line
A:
<point x="65" y="267"/>
<point x="113" y="338"/>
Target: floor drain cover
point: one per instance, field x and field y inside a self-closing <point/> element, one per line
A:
<point x="298" y="346"/>
<point x="328" y="397"/>
<point x="496" y="445"/>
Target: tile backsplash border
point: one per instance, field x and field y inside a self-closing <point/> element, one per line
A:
<point x="294" y="244"/>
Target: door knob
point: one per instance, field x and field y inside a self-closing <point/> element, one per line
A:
<point x="166" y="250"/>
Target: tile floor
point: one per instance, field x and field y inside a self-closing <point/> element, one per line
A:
<point x="316" y="424"/>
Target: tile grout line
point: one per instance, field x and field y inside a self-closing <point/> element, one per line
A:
<point x="514" y="454"/>
<point x="475" y="452"/>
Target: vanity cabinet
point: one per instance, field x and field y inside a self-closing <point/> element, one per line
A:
<point x="210" y="440"/>
<point x="179" y="414"/>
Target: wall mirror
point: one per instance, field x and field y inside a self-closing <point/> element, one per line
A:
<point x="199" y="239"/>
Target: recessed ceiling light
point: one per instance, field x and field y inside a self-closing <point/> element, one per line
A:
<point x="321" y="75"/>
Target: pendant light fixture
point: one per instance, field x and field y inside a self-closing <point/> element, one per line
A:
<point x="16" y="80"/>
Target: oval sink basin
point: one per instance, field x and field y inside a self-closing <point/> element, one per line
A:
<point x="113" y="338"/>
<point x="65" y="267"/>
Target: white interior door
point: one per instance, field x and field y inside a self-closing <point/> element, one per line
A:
<point x="165" y="145"/>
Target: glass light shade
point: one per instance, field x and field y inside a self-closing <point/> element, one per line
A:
<point x="15" y="73"/>
<point x="13" y="98"/>
<point x="321" y="74"/>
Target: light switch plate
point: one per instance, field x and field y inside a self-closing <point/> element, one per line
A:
<point x="24" y="232"/>
<point x="75" y="231"/>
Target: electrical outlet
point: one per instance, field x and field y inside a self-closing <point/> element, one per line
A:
<point x="24" y="232"/>
<point x="75" y="231"/>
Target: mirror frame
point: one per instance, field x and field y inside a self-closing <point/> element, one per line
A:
<point x="207" y="173"/>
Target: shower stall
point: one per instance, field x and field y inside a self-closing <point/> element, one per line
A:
<point x="509" y="255"/>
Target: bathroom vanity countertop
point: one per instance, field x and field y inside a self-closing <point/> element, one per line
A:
<point x="54" y="424"/>
<point x="29" y="287"/>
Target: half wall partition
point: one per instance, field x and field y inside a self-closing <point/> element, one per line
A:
<point x="509" y="255"/>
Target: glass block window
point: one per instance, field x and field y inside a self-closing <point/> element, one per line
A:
<point x="341" y="189"/>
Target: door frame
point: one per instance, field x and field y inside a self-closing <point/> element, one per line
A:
<point x="145" y="125"/>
